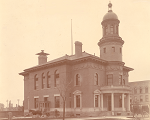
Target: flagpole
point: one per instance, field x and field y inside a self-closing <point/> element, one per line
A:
<point x="71" y="39"/>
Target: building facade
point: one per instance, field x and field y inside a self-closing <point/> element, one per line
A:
<point x="92" y="85"/>
<point x="140" y="92"/>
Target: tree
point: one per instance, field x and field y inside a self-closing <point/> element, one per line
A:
<point x="63" y="88"/>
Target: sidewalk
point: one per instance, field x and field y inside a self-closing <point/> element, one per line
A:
<point x="78" y="118"/>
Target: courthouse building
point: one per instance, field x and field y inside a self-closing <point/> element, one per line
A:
<point x="98" y="85"/>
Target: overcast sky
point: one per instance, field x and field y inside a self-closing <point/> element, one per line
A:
<point x="29" y="26"/>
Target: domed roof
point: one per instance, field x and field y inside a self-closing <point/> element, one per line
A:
<point x="110" y="14"/>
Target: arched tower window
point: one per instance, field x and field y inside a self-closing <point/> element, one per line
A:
<point x="48" y="80"/>
<point x="140" y="90"/>
<point x="36" y="82"/>
<point x="146" y="89"/>
<point x="43" y="77"/>
<point x="77" y="80"/>
<point x="135" y="90"/>
<point x="111" y="29"/>
<point x="95" y="79"/>
<point x="106" y="29"/>
<point x="117" y="30"/>
<point x="56" y="79"/>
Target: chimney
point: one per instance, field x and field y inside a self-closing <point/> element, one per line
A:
<point x="42" y="57"/>
<point x="78" y="49"/>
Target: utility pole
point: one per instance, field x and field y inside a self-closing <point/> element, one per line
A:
<point x="18" y="102"/>
<point x="7" y="103"/>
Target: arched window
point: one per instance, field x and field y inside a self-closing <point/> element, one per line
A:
<point x="43" y="77"/>
<point x="77" y="79"/>
<point x="95" y="79"/>
<point x="56" y="79"/>
<point x="120" y="79"/>
<point x="146" y="89"/>
<point x="36" y="82"/>
<point x="48" y="80"/>
<point x="104" y="32"/>
<point x="135" y="90"/>
<point x="111" y="29"/>
<point x="106" y="28"/>
<point x="123" y="82"/>
<point x="140" y="90"/>
<point x="116" y="29"/>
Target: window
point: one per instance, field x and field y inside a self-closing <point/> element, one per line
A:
<point x="35" y="102"/>
<point x="135" y="99"/>
<point x="109" y="79"/>
<point x="140" y="90"/>
<point x="43" y="77"/>
<point x="120" y="101"/>
<point x="104" y="50"/>
<point x="56" y="80"/>
<point x="146" y="98"/>
<point x="57" y="101"/>
<point x="35" y="82"/>
<point x="135" y="90"/>
<point x="111" y="29"/>
<point x="77" y="100"/>
<point x="123" y="81"/>
<point x="45" y="101"/>
<point x="146" y="89"/>
<point x="96" y="100"/>
<point x="48" y="80"/>
<point x="120" y="50"/>
<point x="116" y="29"/>
<point x="120" y="79"/>
<point x="95" y="79"/>
<point x="113" y="49"/>
<point x="141" y="98"/>
<point x="77" y="79"/>
<point x="106" y="30"/>
<point x="70" y="104"/>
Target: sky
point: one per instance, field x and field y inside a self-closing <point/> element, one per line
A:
<point x="29" y="26"/>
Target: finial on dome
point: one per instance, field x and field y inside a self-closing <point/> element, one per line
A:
<point x="110" y="7"/>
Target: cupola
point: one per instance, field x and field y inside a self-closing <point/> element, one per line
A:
<point x="110" y="23"/>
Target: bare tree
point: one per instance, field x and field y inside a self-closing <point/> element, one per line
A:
<point x="63" y="88"/>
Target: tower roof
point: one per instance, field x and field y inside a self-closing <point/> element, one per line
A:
<point x="110" y="14"/>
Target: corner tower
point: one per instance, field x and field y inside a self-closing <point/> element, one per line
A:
<point x="111" y="43"/>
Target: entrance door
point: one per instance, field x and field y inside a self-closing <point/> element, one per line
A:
<point x="109" y="103"/>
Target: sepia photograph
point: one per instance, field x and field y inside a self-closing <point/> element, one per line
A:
<point x="75" y="59"/>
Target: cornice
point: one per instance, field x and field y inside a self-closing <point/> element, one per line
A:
<point x="110" y="39"/>
<point x="64" y="61"/>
